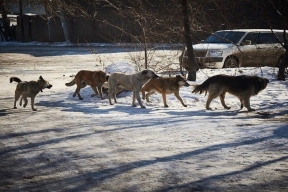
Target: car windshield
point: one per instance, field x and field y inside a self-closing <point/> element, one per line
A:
<point x="225" y="37"/>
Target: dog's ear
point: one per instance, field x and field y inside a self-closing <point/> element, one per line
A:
<point x="41" y="78"/>
<point x="107" y="77"/>
<point x="144" y="72"/>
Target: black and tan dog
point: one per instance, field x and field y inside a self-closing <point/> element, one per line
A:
<point x="243" y="87"/>
<point x="28" y="89"/>
<point x="133" y="82"/>
<point x="165" y="85"/>
<point x="95" y="79"/>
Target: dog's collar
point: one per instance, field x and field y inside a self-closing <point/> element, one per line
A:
<point x="40" y="87"/>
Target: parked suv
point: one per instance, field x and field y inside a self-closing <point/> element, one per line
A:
<point x="241" y="47"/>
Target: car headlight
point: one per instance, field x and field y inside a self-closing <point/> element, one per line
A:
<point x="213" y="53"/>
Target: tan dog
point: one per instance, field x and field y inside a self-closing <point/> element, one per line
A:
<point x="242" y="87"/>
<point x="165" y="85"/>
<point x="92" y="78"/>
<point x="28" y="89"/>
<point x="132" y="82"/>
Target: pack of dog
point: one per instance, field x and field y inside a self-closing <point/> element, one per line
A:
<point x="146" y="81"/>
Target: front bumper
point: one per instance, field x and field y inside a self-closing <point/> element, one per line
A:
<point x="210" y="62"/>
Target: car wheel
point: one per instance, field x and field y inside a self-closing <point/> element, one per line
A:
<point x="231" y="62"/>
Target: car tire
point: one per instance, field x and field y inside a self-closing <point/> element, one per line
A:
<point x="231" y="62"/>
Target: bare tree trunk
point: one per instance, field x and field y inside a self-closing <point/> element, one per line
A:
<point x="64" y="25"/>
<point x="5" y="30"/>
<point x="283" y="65"/>
<point x="145" y="48"/>
<point x="48" y="15"/>
<point x="284" y="62"/>
<point x="191" y="67"/>
<point x="22" y="21"/>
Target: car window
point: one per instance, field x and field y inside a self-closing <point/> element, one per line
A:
<point x="225" y="37"/>
<point x="267" y="38"/>
<point x="280" y="36"/>
<point x="253" y="37"/>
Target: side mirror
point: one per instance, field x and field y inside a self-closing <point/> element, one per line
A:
<point x="247" y="42"/>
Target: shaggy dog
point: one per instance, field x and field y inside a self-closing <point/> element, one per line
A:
<point x="243" y="87"/>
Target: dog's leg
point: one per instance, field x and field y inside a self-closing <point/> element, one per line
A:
<point x="133" y="99"/>
<point x="17" y="96"/>
<point x="246" y="103"/>
<point x="143" y="94"/>
<point x="177" y="95"/>
<point x="137" y="93"/>
<point x="100" y="91"/>
<point x="211" y="96"/>
<point x="95" y="91"/>
<point x="222" y="97"/>
<point x="25" y="100"/>
<point x="110" y="93"/>
<point x="77" y="91"/>
<point x="241" y="101"/>
<point x="21" y="101"/>
<point x="32" y="103"/>
<point x="164" y="99"/>
<point x="148" y="95"/>
<point x="114" y="95"/>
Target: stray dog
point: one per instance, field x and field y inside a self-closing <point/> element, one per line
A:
<point x="165" y="85"/>
<point x="242" y="87"/>
<point x="92" y="78"/>
<point x="28" y="89"/>
<point x="132" y="82"/>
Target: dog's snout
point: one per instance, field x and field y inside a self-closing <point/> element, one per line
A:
<point x="49" y="86"/>
<point x="155" y="76"/>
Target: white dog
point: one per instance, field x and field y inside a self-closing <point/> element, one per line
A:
<point x="133" y="82"/>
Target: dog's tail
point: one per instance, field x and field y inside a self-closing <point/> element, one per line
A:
<point x="16" y="79"/>
<point x="70" y="83"/>
<point x="202" y="87"/>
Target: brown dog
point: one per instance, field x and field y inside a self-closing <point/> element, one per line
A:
<point x="92" y="78"/>
<point x="165" y="85"/>
<point x="242" y="87"/>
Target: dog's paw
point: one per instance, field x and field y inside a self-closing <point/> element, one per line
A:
<point x="143" y="107"/>
<point x="34" y="109"/>
<point x="134" y="105"/>
<point x="185" y="105"/>
<point x="14" y="108"/>
<point x="166" y="106"/>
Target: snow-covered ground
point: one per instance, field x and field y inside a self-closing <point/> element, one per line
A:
<point x="89" y="145"/>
